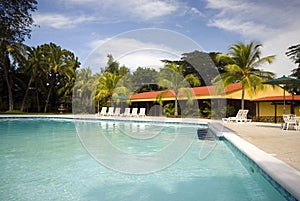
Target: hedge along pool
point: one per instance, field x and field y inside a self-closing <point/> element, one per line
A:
<point x="43" y="159"/>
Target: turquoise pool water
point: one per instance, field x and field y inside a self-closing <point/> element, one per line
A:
<point x="42" y="159"/>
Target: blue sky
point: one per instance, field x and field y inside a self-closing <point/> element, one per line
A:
<point x="87" y="26"/>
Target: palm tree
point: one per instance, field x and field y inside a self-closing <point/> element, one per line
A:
<point x="172" y="77"/>
<point x="61" y="64"/>
<point x="13" y="54"/>
<point x="84" y="89"/>
<point x="242" y="62"/>
<point x="110" y="85"/>
<point x="34" y="66"/>
<point x="68" y="79"/>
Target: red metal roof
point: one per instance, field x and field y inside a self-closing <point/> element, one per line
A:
<point x="151" y="94"/>
<point x="198" y="91"/>
<point x="276" y="98"/>
<point x="233" y="87"/>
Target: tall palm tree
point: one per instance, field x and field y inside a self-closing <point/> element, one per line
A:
<point x="242" y="62"/>
<point x="110" y="85"/>
<point x="83" y="84"/>
<point x="61" y="64"/>
<point x="68" y="79"/>
<point x="172" y="77"/>
<point x="35" y="64"/>
<point x="84" y="89"/>
<point x="12" y="55"/>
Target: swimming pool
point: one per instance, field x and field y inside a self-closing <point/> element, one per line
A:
<point x="43" y="159"/>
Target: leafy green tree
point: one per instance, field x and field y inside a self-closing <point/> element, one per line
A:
<point x="15" y="23"/>
<point x="13" y="54"/>
<point x="293" y="52"/>
<point x="172" y="77"/>
<point x="242" y="62"/>
<point x="16" y="19"/>
<point x="112" y="65"/>
<point x="145" y="79"/>
<point x="201" y="64"/>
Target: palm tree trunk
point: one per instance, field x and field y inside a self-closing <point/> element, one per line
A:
<point x="38" y="101"/>
<point x="48" y="98"/>
<point x="9" y="86"/>
<point x="176" y="106"/>
<point x="243" y="98"/>
<point x="26" y="93"/>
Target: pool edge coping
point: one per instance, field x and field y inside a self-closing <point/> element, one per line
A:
<point x="279" y="171"/>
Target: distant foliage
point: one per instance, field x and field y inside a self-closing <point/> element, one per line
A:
<point x="293" y="53"/>
<point x="16" y="19"/>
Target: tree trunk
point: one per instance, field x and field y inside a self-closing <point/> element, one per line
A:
<point x="9" y="86"/>
<point x="38" y="101"/>
<point x="26" y="93"/>
<point x="176" y="106"/>
<point x="243" y="98"/>
<point x="48" y="98"/>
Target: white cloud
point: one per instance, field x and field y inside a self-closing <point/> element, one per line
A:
<point x="129" y="52"/>
<point x="196" y="11"/>
<point x="137" y="10"/>
<point x="146" y="58"/>
<point x="271" y="23"/>
<point x="59" y="21"/>
<point x="245" y="28"/>
<point x="278" y="45"/>
<point x="149" y="10"/>
<point x="143" y="47"/>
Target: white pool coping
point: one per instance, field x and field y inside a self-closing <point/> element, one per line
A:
<point x="283" y="174"/>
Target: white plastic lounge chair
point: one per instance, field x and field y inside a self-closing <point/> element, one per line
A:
<point x="110" y="111"/>
<point x="289" y="120"/>
<point x="126" y="112"/>
<point x="142" y="112"/>
<point x="117" y="111"/>
<point x="134" y="112"/>
<point x="234" y="119"/>
<point x="103" y="111"/>
<point x="243" y="117"/>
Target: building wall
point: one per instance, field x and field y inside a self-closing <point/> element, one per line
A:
<point x="265" y="112"/>
<point x="268" y="109"/>
<point x="268" y="90"/>
<point x="297" y="110"/>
